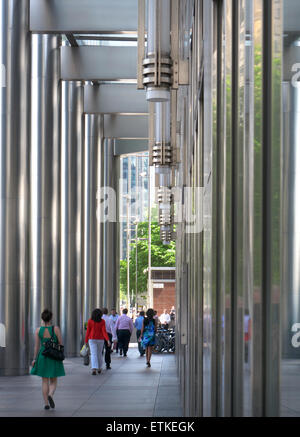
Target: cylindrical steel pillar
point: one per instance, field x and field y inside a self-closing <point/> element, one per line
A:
<point x="110" y="228"/>
<point x="159" y="27"/>
<point x="113" y="300"/>
<point x="92" y="148"/>
<point x="164" y="172"/>
<point x="14" y="183"/>
<point x="291" y="242"/>
<point x="44" y="179"/>
<point x="157" y="71"/>
<point x="99" y="158"/>
<point x="71" y="224"/>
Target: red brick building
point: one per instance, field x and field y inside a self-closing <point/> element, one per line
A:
<point x="162" y="289"/>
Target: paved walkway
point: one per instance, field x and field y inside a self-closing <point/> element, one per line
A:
<point x="129" y="389"/>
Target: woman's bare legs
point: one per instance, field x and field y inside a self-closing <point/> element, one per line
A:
<point x="149" y="350"/>
<point x="52" y="386"/>
<point x="45" y="389"/>
<point x="150" y="353"/>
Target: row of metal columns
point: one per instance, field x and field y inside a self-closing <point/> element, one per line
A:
<point x="53" y="160"/>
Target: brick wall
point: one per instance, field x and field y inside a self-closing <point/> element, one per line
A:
<point x="164" y="297"/>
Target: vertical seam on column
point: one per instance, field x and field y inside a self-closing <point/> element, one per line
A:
<point x="235" y="76"/>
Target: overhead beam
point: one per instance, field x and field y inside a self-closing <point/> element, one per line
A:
<point x="83" y="16"/>
<point x="72" y="40"/>
<point x="98" y="63"/>
<point x="121" y="37"/>
<point x="117" y="98"/>
<point x="124" y="147"/>
<point x="126" y="126"/>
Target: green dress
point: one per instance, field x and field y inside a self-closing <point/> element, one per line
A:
<point x="44" y="366"/>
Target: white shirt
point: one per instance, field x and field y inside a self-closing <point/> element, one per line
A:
<point x="110" y="326"/>
<point x="2" y="335"/>
<point x="165" y="318"/>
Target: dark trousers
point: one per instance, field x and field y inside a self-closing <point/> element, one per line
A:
<point x="123" y="339"/>
<point x="138" y="334"/>
<point x="108" y="350"/>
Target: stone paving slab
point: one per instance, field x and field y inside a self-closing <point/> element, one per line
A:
<point x="129" y="389"/>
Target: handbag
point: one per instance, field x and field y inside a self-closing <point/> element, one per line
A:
<point x="84" y="350"/>
<point x="52" y="349"/>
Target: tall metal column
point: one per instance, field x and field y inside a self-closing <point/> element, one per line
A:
<point x="14" y="182"/>
<point x="99" y="224"/>
<point x="71" y="195"/>
<point x="291" y="205"/>
<point x="113" y="300"/>
<point x="109" y="232"/>
<point x="92" y="148"/>
<point x="44" y="179"/>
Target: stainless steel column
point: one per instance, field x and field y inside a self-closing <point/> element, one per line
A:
<point x="99" y="224"/>
<point x="71" y="194"/>
<point x="92" y="147"/>
<point x="44" y="179"/>
<point x="114" y="298"/>
<point x="109" y="232"/>
<point x="290" y="210"/>
<point x="14" y="183"/>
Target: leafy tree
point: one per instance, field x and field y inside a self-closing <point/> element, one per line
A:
<point x="161" y="256"/>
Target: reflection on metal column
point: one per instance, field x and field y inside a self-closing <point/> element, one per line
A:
<point x="291" y="208"/>
<point x="90" y="265"/>
<point x="109" y="231"/>
<point x="99" y="224"/>
<point x="14" y="183"/>
<point x="71" y="192"/>
<point x="44" y="179"/>
<point x="113" y="299"/>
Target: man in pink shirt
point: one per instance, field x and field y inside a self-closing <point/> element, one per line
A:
<point x="124" y="328"/>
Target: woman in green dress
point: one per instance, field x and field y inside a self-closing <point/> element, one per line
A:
<point x="46" y="367"/>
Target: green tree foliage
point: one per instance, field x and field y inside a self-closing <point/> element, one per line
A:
<point x="161" y="256"/>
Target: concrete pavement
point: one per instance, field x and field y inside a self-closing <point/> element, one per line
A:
<point x="129" y="389"/>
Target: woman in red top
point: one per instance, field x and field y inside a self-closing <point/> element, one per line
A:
<point x="95" y="336"/>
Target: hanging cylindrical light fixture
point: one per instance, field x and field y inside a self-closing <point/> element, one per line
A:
<point x="158" y="64"/>
<point x="166" y="234"/>
<point x="161" y="154"/>
<point x="162" y="158"/>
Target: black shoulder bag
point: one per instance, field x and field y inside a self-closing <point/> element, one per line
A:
<point x="52" y="349"/>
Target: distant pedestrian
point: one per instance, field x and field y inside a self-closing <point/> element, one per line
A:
<point x="48" y="368"/>
<point x="95" y="336"/>
<point x="172" y="317"/>
<point x="148" y="334"/>
<point x="111" y="332"/>
<point x="138" y="325"/>
<point x="124" y="328"/>
<point x="114" y="317"/>
<point x="165" y="319"/>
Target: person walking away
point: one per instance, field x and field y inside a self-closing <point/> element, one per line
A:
<point x="148" y="334"/>
<point x="47" y="368"/>
<point x="172" y="317"/>
<point x="165" y="319"/>
<point x="124" y="328"/>
<point x="114" y="317"/>
<point x="247" y="334"/>
<point x="95" y="336"/>
<point x="111" y="332"/>
<point x="138" y="325"/>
